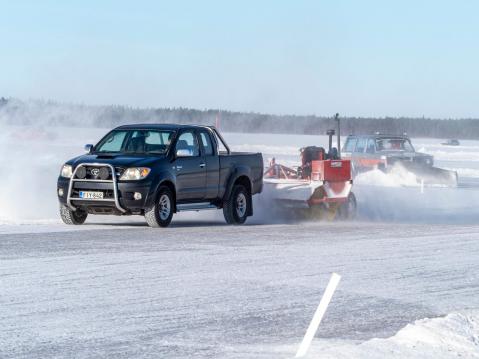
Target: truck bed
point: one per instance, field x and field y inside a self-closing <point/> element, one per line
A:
<point x="250" y="162"/>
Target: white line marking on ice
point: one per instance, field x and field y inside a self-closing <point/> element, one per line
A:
<point x="318" y="315"/>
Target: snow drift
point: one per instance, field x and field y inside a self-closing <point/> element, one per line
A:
<point x="455" y="335"/>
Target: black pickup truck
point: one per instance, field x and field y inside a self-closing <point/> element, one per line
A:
<point x="157" y="170"/>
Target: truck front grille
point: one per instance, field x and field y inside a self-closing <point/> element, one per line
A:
<point x="95" y="177"/>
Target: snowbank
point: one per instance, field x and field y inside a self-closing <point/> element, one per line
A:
<point x="453" y="336"/>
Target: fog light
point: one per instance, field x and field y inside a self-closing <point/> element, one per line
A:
<point x="137" y="196"/>
<point x="60" y="192"/>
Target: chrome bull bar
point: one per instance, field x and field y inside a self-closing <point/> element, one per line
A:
<point x="114" y="181"/>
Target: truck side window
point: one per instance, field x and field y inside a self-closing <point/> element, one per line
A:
<point x="187" y="141"/>
<point x="206" y="142"/>
<point x="371" y="146"/>
<point x="360" y="145"/>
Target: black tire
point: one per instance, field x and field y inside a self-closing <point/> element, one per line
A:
<point x="237" y="206"/>
<point x="71" y="217"/>
<point x="161" y="213"/>
<point x="347" y="210"/>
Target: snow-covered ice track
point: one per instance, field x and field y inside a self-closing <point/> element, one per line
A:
<point x="226" y="292"/>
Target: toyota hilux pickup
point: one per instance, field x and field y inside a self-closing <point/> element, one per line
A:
<point x="156" y="170"/>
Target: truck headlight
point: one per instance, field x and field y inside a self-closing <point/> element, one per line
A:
<point x="135" y="173"/>
<point x="66" y="171"/>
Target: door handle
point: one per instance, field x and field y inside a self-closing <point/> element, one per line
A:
<point x="202" y="165"/>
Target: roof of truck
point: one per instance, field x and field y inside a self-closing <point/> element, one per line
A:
<point x="381" y="135"/>
<point x="160" y="126"/>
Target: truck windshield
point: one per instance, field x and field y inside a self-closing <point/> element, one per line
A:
<point x="135" y="141"/>
<point x="394" y="144"/>
<point x="350" y="144"/>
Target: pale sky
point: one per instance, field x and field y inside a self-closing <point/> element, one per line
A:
<point x="358" y="58"/>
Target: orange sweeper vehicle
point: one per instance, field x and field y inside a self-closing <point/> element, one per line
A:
<point x="321" y="185"/>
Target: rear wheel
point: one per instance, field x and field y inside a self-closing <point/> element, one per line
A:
<point x="236" y="207"/>
<point x="161" y="213"/>
<point x="69" y="216"/>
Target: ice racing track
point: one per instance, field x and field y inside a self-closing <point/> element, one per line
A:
<point x="204" y="289"/>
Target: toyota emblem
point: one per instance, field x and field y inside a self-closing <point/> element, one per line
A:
<point x="95" y="172"/>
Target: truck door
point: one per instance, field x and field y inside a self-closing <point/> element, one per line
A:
<point x="212" y="162"/>
<point x="358" y="154"/>
<point x="371" y="159"/>
<point x="190" y="168"/>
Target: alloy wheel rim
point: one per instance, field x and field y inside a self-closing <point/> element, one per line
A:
<point x="241" y="205"/>
<point x="164" y="207"/>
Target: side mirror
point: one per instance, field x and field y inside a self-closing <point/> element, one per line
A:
<point x="88" y="148"/>
<point x="183" y="153"/>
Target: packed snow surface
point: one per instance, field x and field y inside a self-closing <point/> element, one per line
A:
<point x="204" y="289"/>
<point x="116" y="288"/>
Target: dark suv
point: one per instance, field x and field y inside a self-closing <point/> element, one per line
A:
<point x="381" y="151"/>
<point x="157" y="170"/>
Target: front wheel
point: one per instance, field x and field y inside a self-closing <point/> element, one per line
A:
<point x="161" y="213"/>
<point x="69" y="216"/>
<point x="236" y="207"/>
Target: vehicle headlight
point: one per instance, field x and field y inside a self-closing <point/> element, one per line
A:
<point x="135" y="173"/>
<point x="66" y="171"/>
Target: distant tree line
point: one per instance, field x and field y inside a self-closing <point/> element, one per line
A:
<point x="47" y="113"/>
